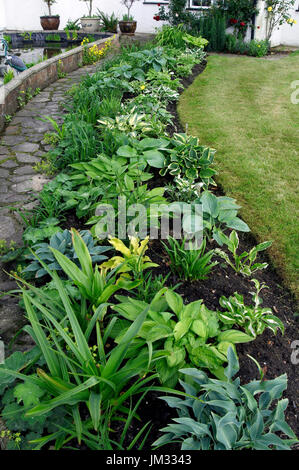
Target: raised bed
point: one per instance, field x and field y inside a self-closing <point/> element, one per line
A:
<point x="42" y="75"/>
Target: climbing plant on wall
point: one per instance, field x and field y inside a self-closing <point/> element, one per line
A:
<point x="239" y="13"/>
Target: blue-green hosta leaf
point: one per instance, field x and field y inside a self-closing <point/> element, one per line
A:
<point x="279" y="423"/>
<point x="227" y="430"/>
<point x="193" y="427"/>
<point x="154" y="158"/>
<point x="210" y="204"/>
<point x="191" y="444"/>
<point x="238" y="224"/>
<point x="233" y="364"/>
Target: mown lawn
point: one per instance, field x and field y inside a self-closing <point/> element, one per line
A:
<point x="242" y="107"/>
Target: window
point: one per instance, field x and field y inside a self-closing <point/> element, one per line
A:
<point x="200" y="3"/>
<point x="153" y="2"/>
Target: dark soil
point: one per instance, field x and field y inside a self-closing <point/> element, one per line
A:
<point x="272" y="352"/>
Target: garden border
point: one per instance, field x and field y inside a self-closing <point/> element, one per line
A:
<point x="43" y="74"/>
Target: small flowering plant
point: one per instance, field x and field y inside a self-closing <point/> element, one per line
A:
<point x="278" y="13"/>
<point x="93" y="54"/>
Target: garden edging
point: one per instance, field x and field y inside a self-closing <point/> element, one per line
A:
<point x="42" y="75"/>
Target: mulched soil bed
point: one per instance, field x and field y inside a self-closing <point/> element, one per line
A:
<point x="272" y="352"/>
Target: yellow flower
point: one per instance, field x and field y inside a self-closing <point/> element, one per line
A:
<point x="270" y="8"/>
<point x="142" y="87"/>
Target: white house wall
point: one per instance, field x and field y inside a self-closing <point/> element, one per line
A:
<point x="24" y="15"/>
<point x="286" y="34"/>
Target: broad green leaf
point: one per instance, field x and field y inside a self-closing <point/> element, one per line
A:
<point x="234" y="336"/>
<point x="175" y="302"/>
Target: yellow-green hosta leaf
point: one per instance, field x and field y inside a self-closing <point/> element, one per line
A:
<point x="181" y="328"/>
<point x="223" y="347"/>
<point x="176" y="357"/>
<point x="200" y="328"/>
<point x="234" y="336"/>
<point x="175" y="302"/>
<point x="113" y="263"/>
<point x="120" y="246"/>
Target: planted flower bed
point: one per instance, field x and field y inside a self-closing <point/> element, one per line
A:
<point x="119" y="320"/>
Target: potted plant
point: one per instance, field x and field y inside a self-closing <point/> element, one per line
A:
<point x="127" y="25"/>
<point x="50" y="22"/>
<point x="108" y="22"/>
<point x="90" y="23"/>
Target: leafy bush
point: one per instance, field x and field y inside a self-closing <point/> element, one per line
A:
<point x="62" y="241"/>
<point x="253" y="319"/>
<point x="187" y="158"/>
<point x="223" y="415"/>
<point x="220" y="213"/>
<point x="258" y="48"/>
<point x="183" y="333"/>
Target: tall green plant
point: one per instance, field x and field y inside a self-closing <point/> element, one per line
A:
<point x="92" y="384"/>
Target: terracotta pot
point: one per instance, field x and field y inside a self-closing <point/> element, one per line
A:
<point x="128" y="27"/>
<point x="50" y="23"/>
<point x="90" y="25"/>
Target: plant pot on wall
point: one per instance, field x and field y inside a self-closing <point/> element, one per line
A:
<point x="90" y="25"/>
<point x="128" y="27"/>
<point x="50" y="23"/>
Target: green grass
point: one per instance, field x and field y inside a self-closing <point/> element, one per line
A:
<point x="242" y="107"/>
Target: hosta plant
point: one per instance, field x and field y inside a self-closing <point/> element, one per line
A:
<point x="224" y="415"/>
<point x="195" y="41"/>
<point x="133" y="259"/>
<point x="163" y="78"/>
<point x="186" y="334"/>
<point x="254" y="319"/>
<point x="187" y="158"/>
<point x="244" y="263"/>
<point x="219" y="214"/>
<point x="63" y="242"/>
<point x="134" y="125"/>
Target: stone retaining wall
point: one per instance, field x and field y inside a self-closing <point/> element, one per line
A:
<point x="41" y="76"/>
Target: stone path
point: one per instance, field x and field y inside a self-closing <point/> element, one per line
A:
<point x="22" y="146"/>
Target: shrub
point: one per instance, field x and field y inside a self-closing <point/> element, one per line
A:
<point x="223" y="415"/>
<point x="258" y="48"/>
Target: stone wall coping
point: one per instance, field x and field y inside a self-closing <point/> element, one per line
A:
<point x="18" y="81"/>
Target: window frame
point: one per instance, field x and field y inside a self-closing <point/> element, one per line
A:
<point x="196" y="7"/>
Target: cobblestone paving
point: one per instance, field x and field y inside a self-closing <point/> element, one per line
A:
<point x="22" y="146"/>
